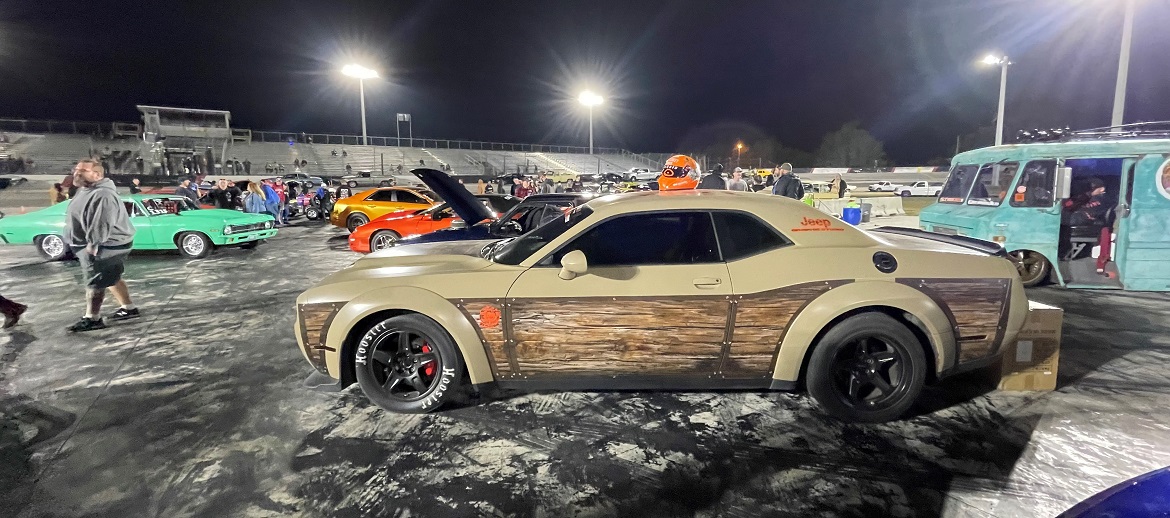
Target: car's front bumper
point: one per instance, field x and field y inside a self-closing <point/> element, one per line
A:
<point x="243" y="237"/>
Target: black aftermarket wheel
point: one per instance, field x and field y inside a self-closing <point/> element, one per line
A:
<point x="408" y="363"/>
<point x="868" y="368"/>
<point x="356" y="220"/>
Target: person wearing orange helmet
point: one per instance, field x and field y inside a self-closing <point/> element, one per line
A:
<point x="680" y="172"/>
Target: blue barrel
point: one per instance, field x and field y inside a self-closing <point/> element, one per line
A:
<point x="851" y="215"/>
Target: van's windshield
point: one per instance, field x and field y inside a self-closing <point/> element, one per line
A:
<point x="958" y="184"/>
<point x="992" y="184"/>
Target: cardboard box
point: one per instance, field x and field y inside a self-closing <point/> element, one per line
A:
<point x="1031" y="362"/>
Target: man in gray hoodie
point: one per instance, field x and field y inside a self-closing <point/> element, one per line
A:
<point x="99" y="232"/>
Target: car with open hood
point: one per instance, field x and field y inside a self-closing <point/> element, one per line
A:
<point x="530" y="213"/>
<point x="383" y="232"/>
<point x="668" y="290"/>
<point x="161" y="222"/>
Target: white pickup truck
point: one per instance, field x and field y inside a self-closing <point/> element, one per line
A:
<point x="883" y="186"/>
<point x="919" y="189"/>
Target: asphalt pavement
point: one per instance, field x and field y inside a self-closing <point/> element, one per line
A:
<point x="197" y="409"/>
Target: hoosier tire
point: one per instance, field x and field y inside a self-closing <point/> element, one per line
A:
<point x="869" y="368"/>
<point x="408" y="364"/>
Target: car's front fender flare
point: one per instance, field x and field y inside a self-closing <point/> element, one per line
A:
<point x="822" y="311"/>
<point x="414" y="300"/>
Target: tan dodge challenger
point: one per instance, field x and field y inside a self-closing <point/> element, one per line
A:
<point x="668" y="290"/>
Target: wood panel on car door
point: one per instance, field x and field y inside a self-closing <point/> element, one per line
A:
<point x="595" y="325"/>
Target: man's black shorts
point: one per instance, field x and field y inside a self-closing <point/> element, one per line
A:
<point x="105" y="269"/>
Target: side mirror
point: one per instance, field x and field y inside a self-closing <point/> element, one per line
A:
<point x="437" y="216"/>
<point x="1063" y="183"/>
<point x="458" y="224"/>
<point x="573" y="264"/>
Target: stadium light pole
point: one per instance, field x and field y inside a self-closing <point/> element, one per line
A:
<point x="590" y="99"/>
<point x="738" y="152"/>
<point x="1123" y="65"/>
<point x="361" y="73"/>
<point x="1003" y="63"/>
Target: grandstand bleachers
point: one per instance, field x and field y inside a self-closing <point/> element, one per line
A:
<point x="57" y="153"/>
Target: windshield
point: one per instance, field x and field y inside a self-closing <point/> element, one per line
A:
<point x="160" y="206"/>
<point x="516" y="250"/>
<point x="958" y="184"/>
<point x="992" y="184"/>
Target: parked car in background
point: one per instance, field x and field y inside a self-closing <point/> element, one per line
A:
<point x="162" y="222"/>
<point x="882" y="186"/>
<point x="641" y="174"/>
<point x="919" y="189"/>
<point x="383" y="232"/>
<point x="358" y="209"/>
<point x="304" y="178"/>
<point x="530" y="213"/>
<point x="655" y="290"/>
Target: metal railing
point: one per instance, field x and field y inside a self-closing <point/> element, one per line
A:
<point x="420" y="142"/>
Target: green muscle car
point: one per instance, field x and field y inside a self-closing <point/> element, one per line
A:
<point x="163" y="222"/>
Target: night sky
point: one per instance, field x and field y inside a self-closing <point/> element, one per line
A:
<point x="670" y="71"/>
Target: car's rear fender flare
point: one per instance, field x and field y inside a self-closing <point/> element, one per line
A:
<point x="822" y="312"/>
<point x="407" y="299"/>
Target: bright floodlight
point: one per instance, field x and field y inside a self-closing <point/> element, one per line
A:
<point x="589" y="98"/>
<point x="359" y="72"/>
<point x="992" y="59"/>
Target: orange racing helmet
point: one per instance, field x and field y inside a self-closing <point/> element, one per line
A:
<point x="680" y="172"/>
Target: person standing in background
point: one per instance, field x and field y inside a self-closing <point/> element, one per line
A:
<point x="134" y="186"/>
<point x="57" y="194"/>
<point x="737" y="182"/>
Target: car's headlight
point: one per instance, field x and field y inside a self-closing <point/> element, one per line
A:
<point x="228" y="229"/>
<point x="268" y="224"/>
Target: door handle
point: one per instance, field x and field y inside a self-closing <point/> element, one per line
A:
<point x="707" y="282"/>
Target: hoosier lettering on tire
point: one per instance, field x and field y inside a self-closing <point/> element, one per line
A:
<point x="408" y="363"/>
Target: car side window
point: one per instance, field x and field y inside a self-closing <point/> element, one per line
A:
<point x="410" y="197"/>
<point x="742" y="235"/>
<point x="132" y="209"/>
<point x="381" y="196"/>
<point x="654" y="238"/>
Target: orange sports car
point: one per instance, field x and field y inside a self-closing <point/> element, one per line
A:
<point x="359" y="209"/>
<point x="384" y="231"/>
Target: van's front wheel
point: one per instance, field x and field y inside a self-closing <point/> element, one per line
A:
<point x="1032" y="266"/>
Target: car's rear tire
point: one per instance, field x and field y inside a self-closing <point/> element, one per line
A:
<point x="1033" y="267"/>
<point x="384" y="183"/>
<point x="408" y="364"/>
<point x="194" y="245"/>
<point x="868" y="368"/>
<point x="52" y="247"/>
<point x="351" y="184"/>
<point x="383" y="239"/>
<point x="356" y="220"/>
<point x="313" y="213"/>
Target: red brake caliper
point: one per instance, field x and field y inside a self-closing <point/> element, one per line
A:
<point x="429" y="370"/>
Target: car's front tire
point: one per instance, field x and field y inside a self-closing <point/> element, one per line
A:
<point x="52" y="247"/>
<point x="905" y="194"/>
<point x="383" y="239"/>
<point x="356" y="220"/>
<point x="194" y="245"/>
<point x="250" y="245"/>
<point x="868" y="368"/>
<point x="408" y="364"/>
